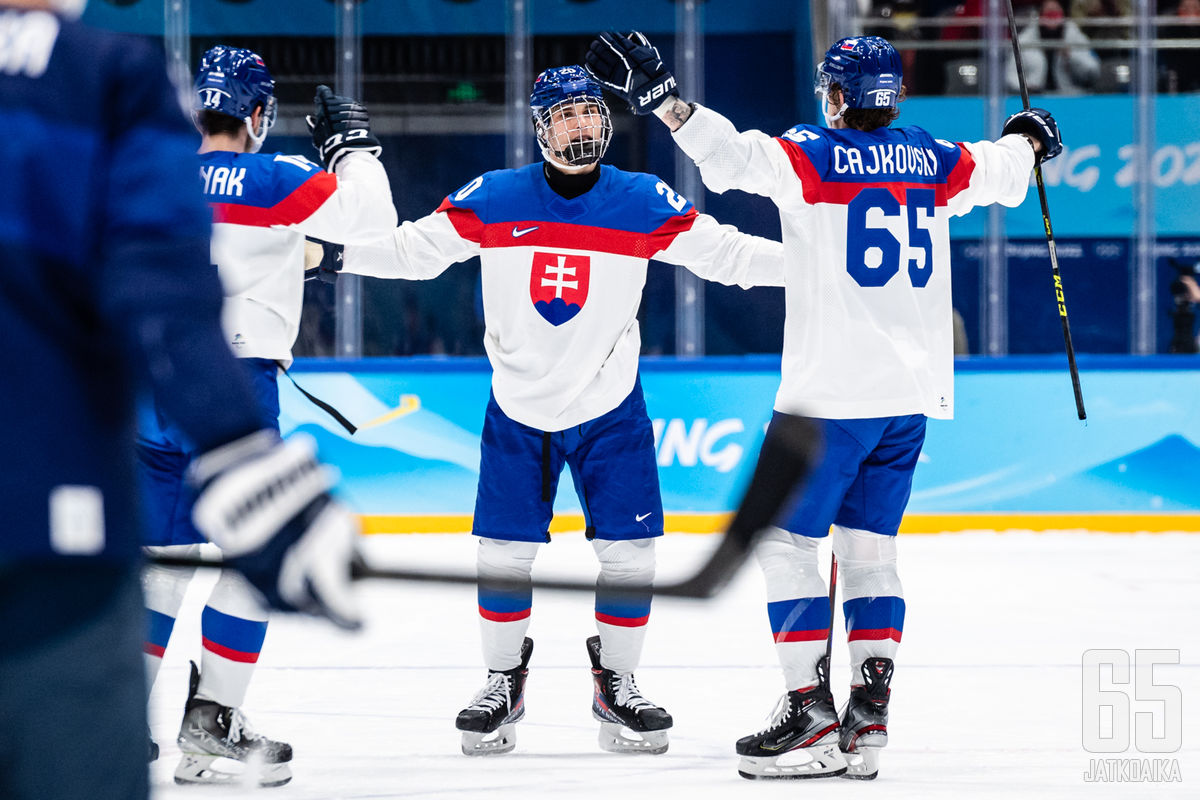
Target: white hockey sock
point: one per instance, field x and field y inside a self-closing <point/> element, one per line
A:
<point x="873" y="598"/>
<point x="797" y="603"/>
<point x="164" y="589"/>
<point x="503" y="610"/>
<point x="233" y="625"/>
<point x="621" y="619"/>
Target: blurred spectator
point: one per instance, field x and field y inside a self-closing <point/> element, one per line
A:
<point x="969" y="11"/>
<point x="1186" y="294"/>
<point x="1056" y="54"/>
<point x="1084" y="10"/>
<point x="1181" y="68"/>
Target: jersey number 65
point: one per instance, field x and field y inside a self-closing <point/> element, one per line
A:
<point x="860" y="238"/>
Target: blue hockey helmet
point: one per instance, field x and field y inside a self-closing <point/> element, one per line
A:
<point x="868" y="70"/>
<point x="235" y="81"/>
<point x="570" y="117"/>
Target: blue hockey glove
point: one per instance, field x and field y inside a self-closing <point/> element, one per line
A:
<point x="1038" y="123"/>
<point x="631" y="68"/>
<point x="266" y="504"/>
<point x="340" y="125"/>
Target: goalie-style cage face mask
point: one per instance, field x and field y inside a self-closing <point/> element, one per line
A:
<point x="570" y="117"/>
<point x="234" y="81"/>
<point x="867" y="68"/>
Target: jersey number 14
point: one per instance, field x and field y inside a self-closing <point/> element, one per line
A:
<point x="861" y="238"/>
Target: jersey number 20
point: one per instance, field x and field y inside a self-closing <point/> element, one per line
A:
<point x="860" y="238"/>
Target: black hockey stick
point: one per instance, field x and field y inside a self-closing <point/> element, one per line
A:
<point x="832" y="606"/>
<point x="1037" y="171"/>
<point x="787" y="456"/>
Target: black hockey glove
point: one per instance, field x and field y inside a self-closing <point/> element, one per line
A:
<point x="631" y="68"/>
<point x="340" y="125"/>
<point x="329" y="267"/>
<point x="1038" y="123"/>
<point x="266" y="504"/>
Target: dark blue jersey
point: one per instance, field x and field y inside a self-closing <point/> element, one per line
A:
<point x="106" y="281"/>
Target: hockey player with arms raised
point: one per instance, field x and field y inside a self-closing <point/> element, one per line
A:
<point x="867" y="354"/>
<point x="564" y="246"/>
<point x="262" y="207"/>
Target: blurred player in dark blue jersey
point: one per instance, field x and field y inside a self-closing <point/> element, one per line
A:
<point x="107" y="285"/>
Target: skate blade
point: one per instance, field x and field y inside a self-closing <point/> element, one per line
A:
<point x="862" y="764"/>
<point x="195" y="768"/>
<point x="616" y="738"/>
<point x="498" y="742"/>
<point x="820" y="761"/>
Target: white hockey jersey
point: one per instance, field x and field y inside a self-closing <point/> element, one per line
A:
<point x="263" y="205"/>
<point x="563" y="279"/>
<point x="866" y="238"/>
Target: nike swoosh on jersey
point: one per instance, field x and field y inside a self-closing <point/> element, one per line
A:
<point x="517" y="232"/>
<point x="641" y="517"/>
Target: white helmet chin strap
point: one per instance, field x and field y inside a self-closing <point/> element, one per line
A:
<point x="256" y="139"/>
<point x="68" y="8"/>
<point x="831" y="118"/>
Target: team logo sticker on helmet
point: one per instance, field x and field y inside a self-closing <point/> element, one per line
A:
<point x="866" y="68"/>
<point x="558" y="285"/>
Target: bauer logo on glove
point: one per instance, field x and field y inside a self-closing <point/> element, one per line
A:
<point x="631" y="68"/>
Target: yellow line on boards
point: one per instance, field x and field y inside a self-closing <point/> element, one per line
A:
<point x="1097" y="523"/>
<point x="913" y="523"/>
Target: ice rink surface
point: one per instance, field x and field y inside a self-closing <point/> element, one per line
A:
<point x="987" y="699"/>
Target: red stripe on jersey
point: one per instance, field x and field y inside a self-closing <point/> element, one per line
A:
<point x="623" y="622"/>
<point x="226" y="652"/>
<point x="960" y="176"/>
<point x="564" y="235"/>
<point x="296" y="207"/>
<point x="841" y="193"/>
<point x="802" y="636"/>
<point x="151" y="649"/>
<point x="504" y="616"/>
<point x="803" y="168"/>
<point x="464" y="220"/>
<point x="873" y="634"/>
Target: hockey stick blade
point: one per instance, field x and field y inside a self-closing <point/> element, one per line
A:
<point x="790" y="449"/>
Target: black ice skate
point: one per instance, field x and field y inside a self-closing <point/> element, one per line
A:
<point x="800" y="740"/>
<point x="864" y="720"/>
<point x="620" y="707"/>
<point x="219" y="747"/>
<point x="489" y="723"/>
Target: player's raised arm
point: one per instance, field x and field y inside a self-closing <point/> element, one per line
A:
<point x="630" y="67"/>
<point x="424" y="248"/>
<point x="719" y="252"/>
<point x="359" y="208"/>
<point x="987" y="172"/>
